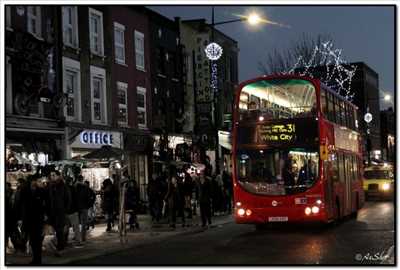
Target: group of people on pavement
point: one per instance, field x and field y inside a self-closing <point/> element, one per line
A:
<point x="42" y="201"/>
<point x="62" y="203"/>
<point x="176" y="193"/>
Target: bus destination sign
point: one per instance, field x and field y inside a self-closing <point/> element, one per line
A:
<point x="277" y="132"/>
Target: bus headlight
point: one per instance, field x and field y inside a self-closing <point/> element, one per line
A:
<point x="386" y="186"/>
<point x="307" y="211"/>
<point x="248" y="212"/>
<point x="315" y="209"/>
<point x="241" y="212"/>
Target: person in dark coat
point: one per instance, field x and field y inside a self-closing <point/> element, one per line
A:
<point x="84" y="200"/>
<point x="33" y="214"/>
<point x="188" y="186"/>
<point x="109" y="202"/>
<point x="59" y="203"/>
<point x="180" y="203"/>
<point x="205" y="200"/>
<point x="72" y="211"/>
<point x="288" y="176"/>
<point x="172" y="199"/>
<point x="228" y="190"/>
<point x="306" y="174"/>
<point x="18" y="238"/>
<point x="215" y="196"/>
<point x="91" y="211"/>
<point x="152" y="194"/>
<point x="132" y="203"/>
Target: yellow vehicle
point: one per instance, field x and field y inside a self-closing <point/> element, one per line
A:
<point x="379" y="182"/>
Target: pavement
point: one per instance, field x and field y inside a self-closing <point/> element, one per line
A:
<point x="101" y="243"/>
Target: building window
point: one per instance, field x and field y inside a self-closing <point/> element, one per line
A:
<point x="8" y="17"/>
<point x="70" y="26"/>
<point x="72" y="89"/>
<point x="119" y="43"/>
<point x="139" y="50"/>
<point x="174" y="65"/>
<point x="34" y="20"/>
<point x="9" y="97"/>
<point x="160" y="60"/>
<point x="98" y="86"/>
<point x="122" y="96"/>
<point x="96" y="31"/>
<point x="141" y="107"/>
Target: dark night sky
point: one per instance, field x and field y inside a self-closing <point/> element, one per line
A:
<point x="363" y="33"/>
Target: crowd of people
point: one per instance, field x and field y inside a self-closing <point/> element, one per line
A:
<point x="42" y="202"/>
<point x="53" y="204"/>
<point x="176" y="193"/>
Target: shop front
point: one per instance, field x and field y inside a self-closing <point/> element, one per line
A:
<point x="30" y="144"/>
<point x="138" y="148"/>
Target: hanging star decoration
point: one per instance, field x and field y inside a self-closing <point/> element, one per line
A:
<point x="336" y="73"/>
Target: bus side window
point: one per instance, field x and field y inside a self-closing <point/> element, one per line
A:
<point x="355" y="169"/>
<point x="355" y="119"/>
<point x="331" y="110"/>
<point x="347" y="115"/>
<point x="337" y="110"/>
<point x="335" y="170"/>
<point x="323" y="102"/>
<point x="341" y="167"/>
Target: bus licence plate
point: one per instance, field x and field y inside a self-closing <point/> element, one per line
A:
<point x="277" y="219"/>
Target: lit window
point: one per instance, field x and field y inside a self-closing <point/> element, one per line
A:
<point x="70" y="26"/>
<point x="72" y="89"/>
<point x="96" y="31"/>
<point x="34" y="20"/>
<point x="141" y="107"/>
<point x="8" y="17"/>
<point x="98" y="86"/>
<point x="119" y="42"/>
<point x="122" y="103"/>
<point x="139" y="50"/>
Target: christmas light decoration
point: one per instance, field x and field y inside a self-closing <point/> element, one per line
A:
<point x="337" y="75"/>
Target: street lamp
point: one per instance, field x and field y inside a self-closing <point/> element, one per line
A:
<point x="214" y="52"/>
<point x="368" y="118"/>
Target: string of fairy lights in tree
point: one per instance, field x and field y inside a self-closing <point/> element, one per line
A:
<point x="338" y="74"/>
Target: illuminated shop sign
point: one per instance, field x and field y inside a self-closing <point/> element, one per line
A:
<point x="96" y="137"/>
<point x="277" y="132"/>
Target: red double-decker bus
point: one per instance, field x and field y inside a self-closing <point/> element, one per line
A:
<point x="296" y="152"/>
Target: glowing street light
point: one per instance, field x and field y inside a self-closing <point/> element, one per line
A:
<point x="387" y="97"/>
<point x="253" y="19"/>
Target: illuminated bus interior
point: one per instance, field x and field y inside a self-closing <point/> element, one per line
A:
<point x="278" y="99"/>
<point x="280" y="171"/>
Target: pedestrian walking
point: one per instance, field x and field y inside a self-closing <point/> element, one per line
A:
<point x="72" y="212"/>
<point x="188" y="186"/>
<point x="132" y="203"/>
<point x="109" y="202"/>
<point x="172" y="198"/>
<point x="228" y="191"/>
<point x="91" y="211"/>
<point x="59" y="202"/>
<point x="205" y="200"/>
<point x="18" y="235"/>
<point x="152" y="195"/>
<point x="33" y="215"/>
<point x="180" y="203"/>
<point x="85" y="200"/>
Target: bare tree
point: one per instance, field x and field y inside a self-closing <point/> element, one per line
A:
<point x="303" y="48"/>
<point x="313" y="57"/>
